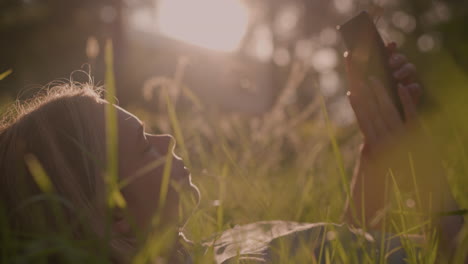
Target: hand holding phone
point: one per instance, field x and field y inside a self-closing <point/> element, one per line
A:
<point x="384" y="93"/>
<point x="368" y="54"/>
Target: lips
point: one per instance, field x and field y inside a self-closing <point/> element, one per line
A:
<point x="188" y="194"/>
<point x="184" y="179"/>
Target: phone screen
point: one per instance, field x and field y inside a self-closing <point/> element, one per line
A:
<point x="369" y="54"/>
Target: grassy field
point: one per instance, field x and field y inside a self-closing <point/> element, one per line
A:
<point x="295" y="165"/>
<point x="286" y="164"/>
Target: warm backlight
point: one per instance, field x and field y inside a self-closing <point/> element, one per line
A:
<point x="213" y="24"/>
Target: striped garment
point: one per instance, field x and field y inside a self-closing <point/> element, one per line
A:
<point x="291" y="242"/>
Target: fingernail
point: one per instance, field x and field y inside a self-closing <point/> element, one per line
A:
<point x="398" y="74"/>
<point x="403" y="90"/>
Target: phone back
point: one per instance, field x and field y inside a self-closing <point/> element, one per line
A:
<point x="368" y="52"/>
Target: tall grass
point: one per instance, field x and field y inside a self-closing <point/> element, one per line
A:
<point x="3" y="75"/>
<point x="274" y="166"/>
<point x="281" y="165"/>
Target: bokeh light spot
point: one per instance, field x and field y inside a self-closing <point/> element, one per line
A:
<point x="410" y="203"/>
<point x="261" y="43"/>
<point x="328" y="36"/>
<point x="324" y="59"/>
<point x="404" y="21"/>
<point x="92" y="47"/>
<point x="329" y="83"/>
<point x="343" y="6"/>
<point x="426" y="43"/>
<point x="304" y="48"/>
<point x="281" y="57"/>
<point x="286" y="20"/>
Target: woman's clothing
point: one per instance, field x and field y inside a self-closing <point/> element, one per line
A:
<point x="291" y="242"/>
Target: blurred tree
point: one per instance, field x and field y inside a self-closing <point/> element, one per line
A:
<point x="46" y="39"/>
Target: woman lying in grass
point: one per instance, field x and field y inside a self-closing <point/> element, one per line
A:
<point x="57" y="197"/>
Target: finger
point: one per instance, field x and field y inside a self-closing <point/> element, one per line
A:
<point x="415" y="90"/>
<point x="386" y="107"/>
<point x="405" y="72"/>
<point x="391" y="47"/>
<point x="409" y="107"/>
<point x="397" y="60"/>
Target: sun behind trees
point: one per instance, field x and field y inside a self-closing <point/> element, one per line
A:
<point x="269" y="160"/>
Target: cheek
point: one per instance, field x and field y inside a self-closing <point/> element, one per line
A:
<point x="143" y="194"/>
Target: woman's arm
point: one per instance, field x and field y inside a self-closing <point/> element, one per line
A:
<point x="389" y="145"/>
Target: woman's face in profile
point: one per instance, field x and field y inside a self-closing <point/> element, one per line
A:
<point x="142" y="159"/>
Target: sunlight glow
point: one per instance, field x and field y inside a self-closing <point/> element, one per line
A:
<point x="261" y="43"/>
<point x="213" y="24"/>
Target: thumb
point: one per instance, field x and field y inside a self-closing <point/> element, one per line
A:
<point x="409" y="106"/>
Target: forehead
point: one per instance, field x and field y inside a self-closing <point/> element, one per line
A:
<point x="126" y="120"/>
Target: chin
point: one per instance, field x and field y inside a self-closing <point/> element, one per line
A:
<point x="195" y="191"/>
<point x="189" y="202"/>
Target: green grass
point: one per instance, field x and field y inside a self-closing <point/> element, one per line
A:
<point x="282" y="165"/>
<point x="5" y="74"/>
<point x="253" y="168"/>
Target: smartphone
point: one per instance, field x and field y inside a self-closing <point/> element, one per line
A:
<point x="369" y="53"/>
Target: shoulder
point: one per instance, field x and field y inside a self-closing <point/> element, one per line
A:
<point x="284" y="241"/>
<point x="257" y="241"/>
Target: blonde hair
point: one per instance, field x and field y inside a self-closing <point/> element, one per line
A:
<point x="61" y="129"/>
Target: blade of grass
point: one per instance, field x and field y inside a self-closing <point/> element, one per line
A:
<point x="324" y="235"/>
<point x="38" y="173"/>
<point x="166" y="178"/>
<point x="155" y="246"/>
<point x="404" y="241"/>
<point x="172" y="112"/>
<point x="5" y="74"/>
<point x="45" y="185"/>
<point x="222" y="190"/>
<point x="383" y="247"/>
<point x="177" y="131"/>
<point x="413" y="175"/>
<point x="114" y="197"/>
<point x="141" y="172"/>
<point x="339" y="160"/>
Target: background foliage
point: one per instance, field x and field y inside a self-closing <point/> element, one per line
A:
<point x="262" y="151"/>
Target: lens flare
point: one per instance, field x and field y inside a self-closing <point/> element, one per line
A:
<point x="214" y="24"/>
